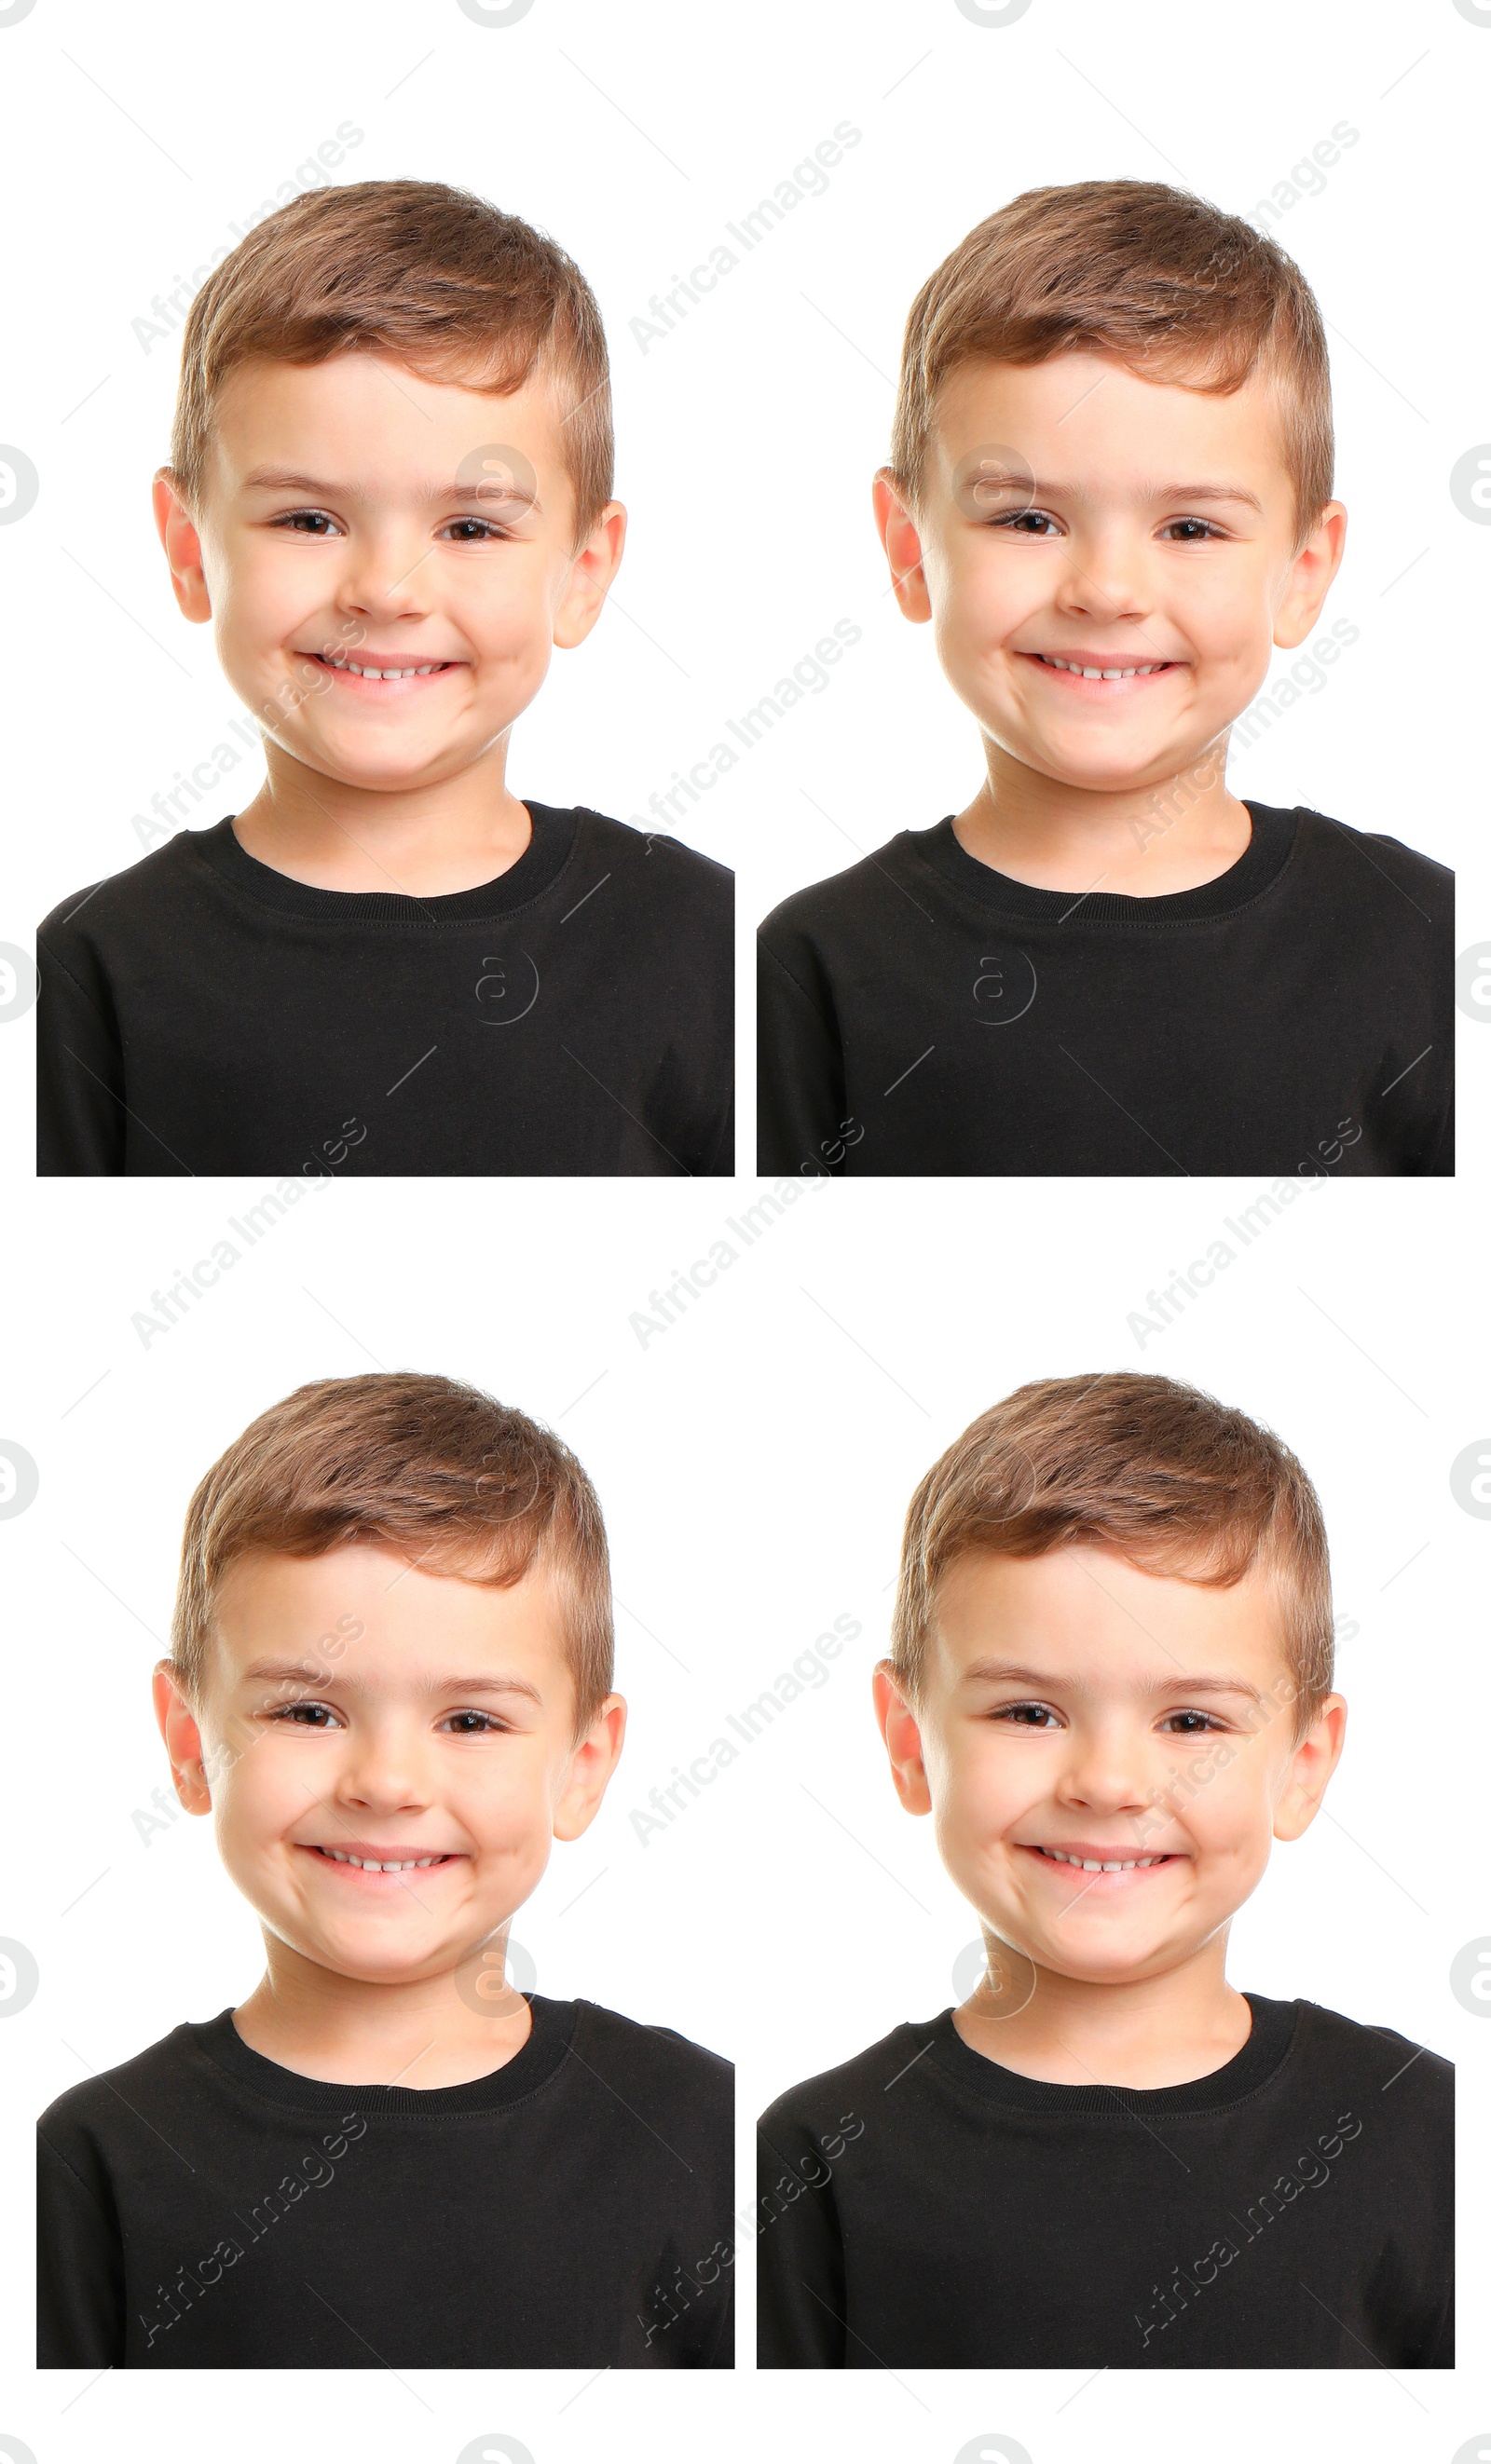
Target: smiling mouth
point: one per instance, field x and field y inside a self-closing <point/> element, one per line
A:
<point x="386" y="675"/>
<point x="1097" y="1864"/>
<point x="371" y="1864"/>
<point x="1094" y="671"/>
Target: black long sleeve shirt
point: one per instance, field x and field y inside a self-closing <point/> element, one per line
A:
<point x="923" y="1013"/>
<point x="922" y="2206"/>
<point x="202" y="2207"/>
<point x="203" y="1013"/>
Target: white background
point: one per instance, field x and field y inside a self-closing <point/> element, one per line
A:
<point x="755" y="1460"/>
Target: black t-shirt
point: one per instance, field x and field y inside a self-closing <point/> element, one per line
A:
<point x="203" y="1013"/>
<point x="202" y="2207"/>
<point x="922" y="1012"/>
<point x="924" y="2207"/>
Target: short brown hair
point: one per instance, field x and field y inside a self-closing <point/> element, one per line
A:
<point x="1157" y="1471"/>
<point x="457" y="291"/>
<point x="1178" y="291"/>
<point x="436" y="1469"/>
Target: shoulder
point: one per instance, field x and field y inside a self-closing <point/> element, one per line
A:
<point x="123" y="899"/>
<point x="73" y="2120"/>
<point x="1376" y="2061"/>
<point x="863" y="891"/>
<point x="655" y="2061"/>
<point x="655" y="859"/>
<point x="833" y="2100"/>
<point x="1375" y="863"/>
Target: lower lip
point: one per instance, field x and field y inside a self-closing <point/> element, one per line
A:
<point x="1077" y="1878"/>
<point x="379" y="688"/>
<point x="1102" y="688"/>
<point x="358" y="1877"/>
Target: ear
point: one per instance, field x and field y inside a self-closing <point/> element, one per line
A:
<point x="1310" y="575"/>
<point x="903" y="1742"/>
<point x="901" y="542"/>
<point x="1314" y="1758"/>
<point x="178" y="1725"/>
<point x="591" y="576"/>
<point x="182" y="549"/>
<point x="591" y="1764"/>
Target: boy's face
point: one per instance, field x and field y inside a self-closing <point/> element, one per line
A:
<point x="430" y="1716"/>
<point x="1076" y="1708"/>
<point x="1142" y="525"/>
<point x="358" y="512"/>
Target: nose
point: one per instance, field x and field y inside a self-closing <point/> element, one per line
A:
<point x="381" y="1769"/>
<point x="1106" y="573"/>
<point x="1106" y="1769"/>
<point x="386" y="572"/>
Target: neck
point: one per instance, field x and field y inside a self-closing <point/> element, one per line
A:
<point x="425" y="841"/>
<point x="1170" y="833"/>
<point x="420" y="2033"/>
<point x="1141" y="2031"/>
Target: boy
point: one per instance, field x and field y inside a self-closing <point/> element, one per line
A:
<point x="390" y="492"/>
<point x="1110" y="494"/>
<point x="1111" y="1685"/>
<point x="390" y="1684"/>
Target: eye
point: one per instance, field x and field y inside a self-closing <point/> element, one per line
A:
<point x="1194" y="526"/>
<point x="1198" y="1723"/>
<point x="469" y="528"/>
<point x="489" y="1726"/>
<point x="1014" y="523"/>
<point x="1026" y="1715"/>
<point x="300" y="520"/>
<point x="288" y="1714"/>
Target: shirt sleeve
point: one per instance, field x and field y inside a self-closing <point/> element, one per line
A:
<point x="79" y="1075"/>
<point x="79" y="2271"/>
<point x="800" y="2303"/>
<point x="800" y="1101"/>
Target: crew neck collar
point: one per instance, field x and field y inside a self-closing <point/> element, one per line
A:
<point x="550" y="846"/>
<point x="1263" y="860"/>
<point x="536" y="2059"/>
<point x="1265" y="2049"/>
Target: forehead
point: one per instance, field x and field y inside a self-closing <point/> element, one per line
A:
<point x="363" y="419"/>
<point x="1084" y="417"/>
<point x="366" y="1610"/>
<point x="1088" y="1615"/>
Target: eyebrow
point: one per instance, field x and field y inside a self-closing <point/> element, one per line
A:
<point x="1206" y="491"/>
<point x="1003" y="1672"/>
<point x="305" y="483"/>
<point x="298" y="1673"/>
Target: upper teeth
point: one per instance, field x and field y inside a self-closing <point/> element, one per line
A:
<point x="372" y="1865"/>
<point x="1097" y="1865"/>
<point x="1047" y="661"/>
<point x="351" y="668"/>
